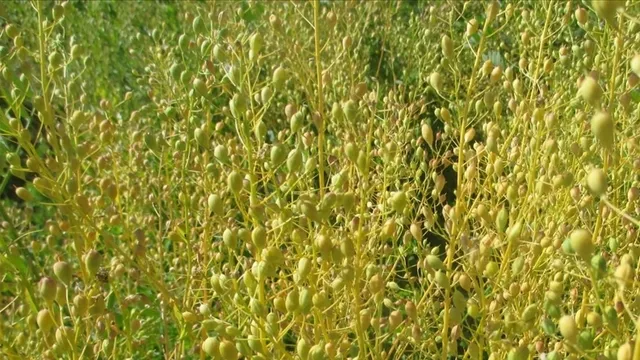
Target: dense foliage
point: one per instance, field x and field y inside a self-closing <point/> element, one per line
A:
<point x="320" y="180"/>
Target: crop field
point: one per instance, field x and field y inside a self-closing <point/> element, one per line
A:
<point x="320" y="180"/>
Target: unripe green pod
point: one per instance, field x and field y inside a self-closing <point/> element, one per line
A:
<point x="201" y="137"/>
<point x="581" y="243"/>
<point x="200" y="87"/>
<point x="279" y="77"/>
<point x="221" y="153"/>
<point x="227" y="350"/>
<point x="12" y="31"/>
<point x="198" y="25"/>
<point x="350" y="110"/>
<point x="597" y="182"/>
<point x="519" y="353"/>
<point x="635" y="64"/>
<point x="230" y="238"/>
<point x="44" y="320"/>
<point x="63" y="272"/>
<point x="302" y="349"/>
<point x="502" y="220"/>
<point x="441" y="279"/>
<point x="304" y="268"/>
<point x="92" y="262"/>
<point x="436" y="81"/>
<point x="317" y="352"/>
<point x="294" y="161"/>
<point x="434" y="262"/>
<point x="306" y="300"/>
<point x="607" y="9"/>
<point x="625" y="352"/>
<point x="55" y="59"/>
<point x="585" y="340"/>
<point x="24" y="194"/>
<point x="234" y="181"/>
<point x="255" y="42"/>
<point x="447" y="47"/>
<point x="47" y="288"/>
<point x="603" y="129"/>
<point x="568" y="328"/>
<point x="530" y="313"/>
<point x="216" y="204"/>
<point x="590" y="91"/>
<point x="399" y="201"/>
<point x="278" y="155"/>
<point x="320" y="300"/>
<point x="259" y="237"/>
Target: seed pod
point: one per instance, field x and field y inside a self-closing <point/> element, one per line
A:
<point x="92" y="262"/>
<point x="304" y="268"/>
<point x="24" y="194"/>
<point x="441" y="279"/>
<point x="625" y="352"/>
<point x="603" y="129"/>
<point x="216" y="204"/>
<point x="292" y="302"/>
<point x="200" y="87"/>
<point x="350" y="110"/>
<point x="590" y="91"/>
<point x="227" y="350"/>
<point x="44" y="320"/>
<point x="234" y="181"/>
<point x="303" y="348"/>
<point x="597" y="182"/>
<point x="530" y="313"/>
<point x="255" y="42"/>
<point x="294" y="161"/>
<point x="63" y="272"/>
<point x="435" y="79"/>
<point x="447" y="47"/>
<point x="47" y="288"/>
<point x="581" y="243"/>
<point x="279" y="77"/>
<point x="568" y="328"/>
<point x="607" y="9"/>
<point x="278" y="155"/>
<point x="427" y="134"/>
<point x="259" y="237"/>
<point x="434" y="262"/>
<point x="395" y="319"/>
<point x="398" y="201"/>
<point x="635" y="64"/>
<point x="230" y="238"/>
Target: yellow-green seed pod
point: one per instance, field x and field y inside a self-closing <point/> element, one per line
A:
<point x="635" y="64"/>
<point x="568" y="328"/>
<point x="230" y="238"/>
<point x="63" y="272"/>
<point x="47" y="288"/>
<point x="278" y="155"/>
<point x="44" y="320"/>
<point x="259" y="237"/>
<point x="216" y="204"/>
<point x="92" y="262"/>
<point x="211" y="347"/>
<point x="200" y="87"/>
<point x="228" y="350"/>
<point x="590" y="91"/>
<point x="294" y="161"/>
<point x="24" y="194"/>
<point x="447" y="47"/>
<point x="597" y="182"/>
<point x="581" y="243"/>
<point x="603" y="129"/>
<point x="399" y="201"/>
<point x="81" y="304"/>
<point x="607" y="9"/>
<point x="292" y="302"/>
<point x="234" y="181"/>
<point x="279" y="77"/>
<point x="350" y="110"/>
<point x="436" y="81"/>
